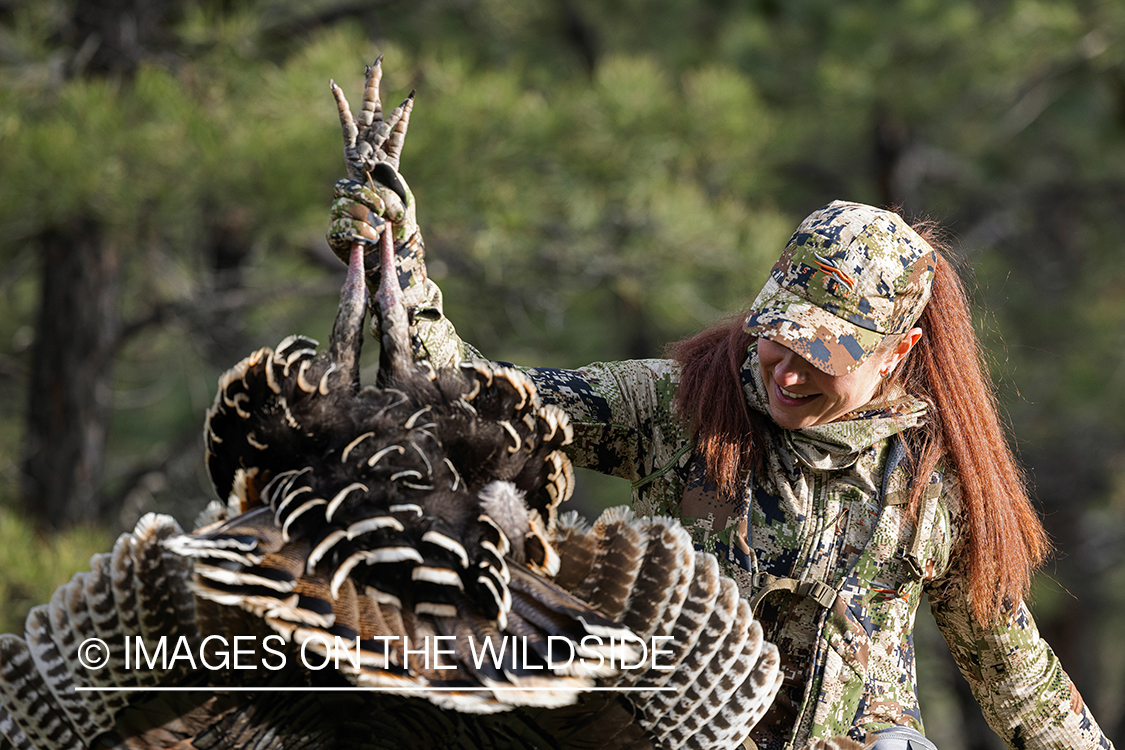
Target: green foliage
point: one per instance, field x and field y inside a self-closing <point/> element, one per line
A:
<point x="33" y="566"/>
<point x="641" y="188"/>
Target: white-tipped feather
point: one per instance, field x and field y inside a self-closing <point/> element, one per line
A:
<point x="515" y="446"/>
<point x="302" y="383"/>
<point x="348" y="448"/>
<point x="375" y="458"/>
<point x="293" y="357"/>
<point x="372" y="524"/>
<point x="456" y="475"/>
<point x="441" y="540"/>
<point x="288" y="499"/>
<point x="321" y="549"/>
<point x="322" y="387"/>
<point x="342" y="495"/>
<point x="440" y="576"/>
<point x="298" y="512"/>
<point x="406" y="508"/>
<point x="383" y="598"/>
<point x="414" y="417"/>
<point x="231" y="578"/>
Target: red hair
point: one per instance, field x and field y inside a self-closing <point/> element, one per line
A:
<point x="1005" y="541"/>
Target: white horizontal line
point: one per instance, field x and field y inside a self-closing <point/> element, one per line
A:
<point x="366" y="689"/>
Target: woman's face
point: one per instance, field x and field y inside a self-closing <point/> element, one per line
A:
<point x="803" y="396"/>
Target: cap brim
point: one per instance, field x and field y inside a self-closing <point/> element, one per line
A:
<point x="830" y="343"/>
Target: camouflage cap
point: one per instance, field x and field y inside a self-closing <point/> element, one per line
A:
<point x="850" y="275"/>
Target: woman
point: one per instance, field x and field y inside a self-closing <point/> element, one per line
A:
<point x="838" y="449"/>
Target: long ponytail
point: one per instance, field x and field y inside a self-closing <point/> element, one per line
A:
<point x="1006" y="541"/>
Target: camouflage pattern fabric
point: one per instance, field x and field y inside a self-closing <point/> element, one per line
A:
<point x="815" y="514"/>
<point x="850" y="275"/>
<point x="357" y="214"/>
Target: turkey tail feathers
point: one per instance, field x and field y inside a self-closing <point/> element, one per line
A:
<point x="723" y="674"/>
<point x="710" y="675"/>
<point x="679" y="637"/>
<point x="138" y="592"/>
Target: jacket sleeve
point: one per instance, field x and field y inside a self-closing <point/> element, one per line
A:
<point x="1024" y="693"/>
<point x="432" y="335"/>
<point x="621" y="412"/>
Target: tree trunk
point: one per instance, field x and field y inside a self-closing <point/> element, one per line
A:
<point x="115" y="36"/>
<point x="70" y="387"/>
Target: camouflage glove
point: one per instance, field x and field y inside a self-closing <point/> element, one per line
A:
<point x="360" y="212"/>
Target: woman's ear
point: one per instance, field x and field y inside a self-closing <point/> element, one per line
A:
<point x="905" y="344"/>
<point x="909" y="339"/>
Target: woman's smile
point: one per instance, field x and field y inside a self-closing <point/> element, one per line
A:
<point x="801" y="396"/>
<point x="786" y="396"/>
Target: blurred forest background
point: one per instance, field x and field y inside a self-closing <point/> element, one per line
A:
<point x="594" y="179"/>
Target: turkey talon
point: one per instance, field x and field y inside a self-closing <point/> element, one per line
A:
<point x="372" y="106"/>
<point x="372" y="140"/>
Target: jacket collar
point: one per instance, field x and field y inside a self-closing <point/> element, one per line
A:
<point x="836" y="445"/>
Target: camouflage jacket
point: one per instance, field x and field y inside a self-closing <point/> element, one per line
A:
<point x="827" y="541"/>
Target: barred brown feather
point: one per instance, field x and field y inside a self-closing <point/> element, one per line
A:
<point x="50" y="663"/>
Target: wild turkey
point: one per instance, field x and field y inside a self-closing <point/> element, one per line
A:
<point x="422" y="508"/>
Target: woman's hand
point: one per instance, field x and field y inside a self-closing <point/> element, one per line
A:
<point x="359" y="213"/>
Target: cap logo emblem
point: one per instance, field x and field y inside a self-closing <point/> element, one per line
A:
<point x="829" y="268"/>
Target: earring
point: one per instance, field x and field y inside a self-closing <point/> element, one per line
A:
<point x="885" y="373"/>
